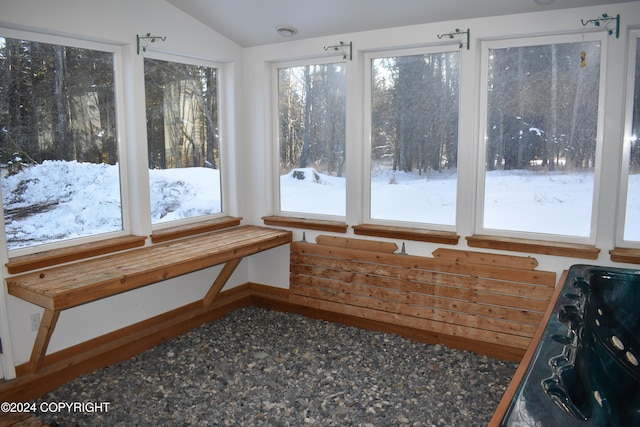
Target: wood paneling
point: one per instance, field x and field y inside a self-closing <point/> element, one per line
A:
<point x="481" y="297"/>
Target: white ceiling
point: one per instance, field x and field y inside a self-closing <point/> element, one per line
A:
<point x="254" y="22"/>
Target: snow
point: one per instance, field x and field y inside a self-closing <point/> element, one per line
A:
<point x="79" y="199"/>
<point x="72" y="199"/>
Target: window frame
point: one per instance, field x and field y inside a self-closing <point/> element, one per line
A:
<point x="121" y="131"/>
<point x="485" y="46"/>
<point x="276" y="196"/>
<point x="367" y="135"/>
<point x="204" y="62"/>
<point x="632" y="59"/>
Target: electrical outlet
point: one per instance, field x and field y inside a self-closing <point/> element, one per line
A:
<point x="35" y="321"/>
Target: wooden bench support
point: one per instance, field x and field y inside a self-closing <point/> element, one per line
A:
<point x="47" y="325"/>
<point x="220" y="281"/>
<point x="58" y="288"/>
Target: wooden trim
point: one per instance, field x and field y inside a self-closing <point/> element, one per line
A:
<point x="43" y="259"/>
<point x="192" y="229"/>
<point x="483" y="258"/>
<point x="407" y="233"/>
<point x="63" y="366"/>
<point x="629" y="255"/>
<point x="306" y="223"/>
<point x="572" y="250"/>
<point x="505" y="402"/>
<point x="368" y="245"/>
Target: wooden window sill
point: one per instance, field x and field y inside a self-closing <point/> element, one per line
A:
<point x="407" y="233"/>
<point x="43" y="259"/>
<point x="572" y="250"/>
<point x="199" y="227"/>
<point x="310" y="224"/>
<point x="629" y="255"/>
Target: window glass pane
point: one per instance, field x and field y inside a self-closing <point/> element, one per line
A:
<point x="311" y="120"/>
<point x="541" y="138"/>
<point x="414" y="137"/>
<point x="58" y="143"/>
<point x="632" y="225"/>
<point x="183" y="140"/>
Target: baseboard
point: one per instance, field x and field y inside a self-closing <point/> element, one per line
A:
<point x="62" y="366"/>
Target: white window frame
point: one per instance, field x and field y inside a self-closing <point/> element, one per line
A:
<point x="369" y="57"/>
<point x="482" y="135"/>
<point x="121" y="131"/>
<point x="224" y="179"/>
<point x="634" y="41"/>
<point x="275" y="66"/>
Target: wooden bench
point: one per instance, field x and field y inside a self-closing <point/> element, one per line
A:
<point x="58" y="288"/>
<point x="483" y="302"/>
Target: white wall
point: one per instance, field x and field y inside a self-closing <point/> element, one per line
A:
<point x="258" y="93"/>
<point x="248" y="84"/>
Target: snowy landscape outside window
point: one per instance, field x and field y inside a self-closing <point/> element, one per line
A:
<point x="632" y="216"/>
<point x="58" y="142"/>
<point x="541" y="135"/>
<point x="312" y="138"/>
<point x="183" y="140"/>
<point x="414" y="137"/>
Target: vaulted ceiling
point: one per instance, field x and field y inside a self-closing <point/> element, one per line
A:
<point x="254" y="22"/>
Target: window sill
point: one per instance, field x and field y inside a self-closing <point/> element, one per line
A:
<point x="572" y="250"/>
<point x="407" y="233"/>
<point x="199" y="227"/>
<point x="73" y="253"/>
<point x="629" y="255"/>
<point x="310" y="224"/>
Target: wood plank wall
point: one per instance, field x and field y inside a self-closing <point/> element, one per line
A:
<point x="486" y="300"/>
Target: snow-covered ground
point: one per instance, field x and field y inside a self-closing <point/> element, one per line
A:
<point x="58" y="200"/>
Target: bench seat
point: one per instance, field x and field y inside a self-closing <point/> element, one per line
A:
<point x="61" y="287"/>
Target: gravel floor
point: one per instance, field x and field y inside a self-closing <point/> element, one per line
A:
<point x="257" y="367"/>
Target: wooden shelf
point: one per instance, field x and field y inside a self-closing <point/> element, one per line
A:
<point x="306" y="223"/>
<point x="407" y="233"/>
<point x="629" y="255"/>
<point x="572" y="250"/>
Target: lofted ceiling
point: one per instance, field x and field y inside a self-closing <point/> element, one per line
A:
<point x="254" y="22"/>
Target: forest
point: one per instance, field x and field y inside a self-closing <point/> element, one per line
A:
<point x="59" y="103"/>
<point x="542" y="111"/>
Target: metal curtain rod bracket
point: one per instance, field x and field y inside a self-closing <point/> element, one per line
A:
<point x="457" y="32"/>
<point x="148" y="38"/>
<point x="606" y="18"/>
<point x="342" y="46"/>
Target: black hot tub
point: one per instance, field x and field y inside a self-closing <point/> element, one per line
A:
<point x="585" y="370"/>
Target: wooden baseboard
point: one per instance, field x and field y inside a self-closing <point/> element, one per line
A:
<point x="62" y="366"/>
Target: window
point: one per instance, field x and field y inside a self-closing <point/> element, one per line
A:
<point x="542" y="134"/>
<point x="183" y="139"/>
<point x="311" y="138"/>
<point x="631" y="223"/>
<point x="414" y="137"/>
<point x="58" y="142"/>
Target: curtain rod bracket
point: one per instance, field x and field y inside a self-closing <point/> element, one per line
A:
<point x="342" y="46"/>
<point x="607" y="19"/>
<point x="148" y="38"/>
<point x="459" y="33"/>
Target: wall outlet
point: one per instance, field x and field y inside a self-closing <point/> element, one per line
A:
<point x="35" y="321"/>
